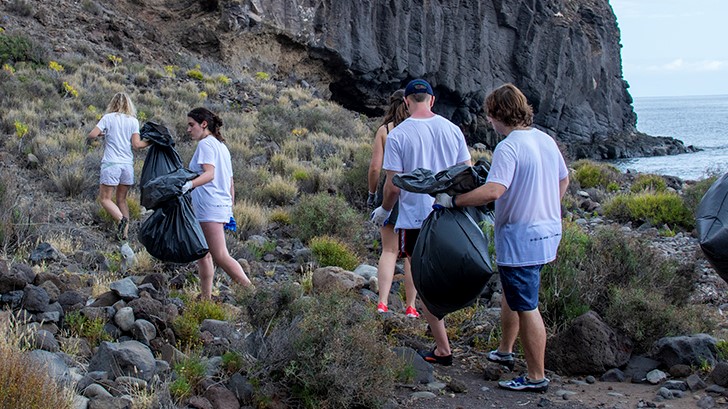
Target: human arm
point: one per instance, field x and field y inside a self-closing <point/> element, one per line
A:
<point x="207" y="175"/>
<point x="483" y="195"/>
<point x="563" y="184"/>
<point x="375" y="165"/>
<point x="137" y="142"/>
<point x="94" y="133"/>
<point x="391" y="192"/>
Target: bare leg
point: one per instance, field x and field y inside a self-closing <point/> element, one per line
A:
<point x="387" y="261"/>
<point x="438" y="332"/>
<point x="215" y="236"/>
<point x="105" y="194"/>
<point x="206" y="270"/>
<point x="509" y="327"/>
<point x="409" y="284"/>
<point x="533" y="338"/>
<point x="121" y="194"/>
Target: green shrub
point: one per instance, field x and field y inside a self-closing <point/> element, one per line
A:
<point x="16" y="48"/>
<point x="590" y="268"/>
<point x="180" y="389"/>
<point x="563" y="281"/>
<point x="192" y="369"/>
<point x="187" y="325"/>
<point x="232" y="362"/>
<point x="268" y="304"/>
<point x="646" y="316"/>
<point x="329" y="251"/>
<point x="327" y="355"/>
<point x="323" y="214"/>
<point x="655" y="208"/>
<point x="648" y="182"/>
<point x="91" y="329"/>
<point x="355" y="183"/>
<point x="693" y="194"/>
<point x="593" y="174"/>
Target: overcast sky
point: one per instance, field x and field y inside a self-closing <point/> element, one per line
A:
<point x="674" y="47"/>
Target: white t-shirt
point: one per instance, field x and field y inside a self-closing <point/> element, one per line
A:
<point x="118" y="129"/>
<point x="433" y="143"/>
<point x="213" y="200"/>
<point x="528" y="215"/>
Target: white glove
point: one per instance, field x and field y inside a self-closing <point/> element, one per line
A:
<point x="444" y="200"/>
<point x="186" y="187"/>
<point x="379" y="216"/>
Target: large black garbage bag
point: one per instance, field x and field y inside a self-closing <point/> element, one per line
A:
<point x="450" y="261"/>
<point x="161" y="159"/>
<point x="453" y="180"/>
<point x="711" y="220"/>
<point x="166" y="187"/>
<point x="157" y="133"/>
<point x="172" y="233"/>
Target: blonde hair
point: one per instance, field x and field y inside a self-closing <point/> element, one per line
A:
<point x="121" y="103"/>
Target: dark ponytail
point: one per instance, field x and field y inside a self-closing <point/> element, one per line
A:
<point x="214" y="123"/>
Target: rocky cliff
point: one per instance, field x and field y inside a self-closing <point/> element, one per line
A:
<point x="564" y="54"/>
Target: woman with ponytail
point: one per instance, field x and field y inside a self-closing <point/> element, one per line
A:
<point x="213" y="196"/>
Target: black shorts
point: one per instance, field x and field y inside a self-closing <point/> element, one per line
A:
<point x="407" y="240"/>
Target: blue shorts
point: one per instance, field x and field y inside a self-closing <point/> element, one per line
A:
<point x="520" y="286"/>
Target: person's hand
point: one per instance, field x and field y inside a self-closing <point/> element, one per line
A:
<point x="370" y="200"/>
<point x="444" y="200"/>
<point x="379" y="216"/>
<point x="186" y="187"/>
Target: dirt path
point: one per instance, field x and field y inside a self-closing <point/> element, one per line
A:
<point x="563" y="393"/>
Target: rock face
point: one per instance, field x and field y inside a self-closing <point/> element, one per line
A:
<point x="564" y="55"/>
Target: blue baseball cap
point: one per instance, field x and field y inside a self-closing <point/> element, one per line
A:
<point x="418" y="87"/>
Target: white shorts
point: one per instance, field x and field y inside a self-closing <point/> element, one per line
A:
<point x="219" y="214"/>
<point x="114" y="174"/>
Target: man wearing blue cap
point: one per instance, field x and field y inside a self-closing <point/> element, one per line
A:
<point x="424" y="140"/>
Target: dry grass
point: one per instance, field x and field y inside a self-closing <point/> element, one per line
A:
<point x="279" y="191"/>
<point x="250" y="217"/>
<point x="63" y="243"/>
<point x="24" y="383"/>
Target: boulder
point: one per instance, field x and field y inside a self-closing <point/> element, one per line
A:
<point x="587" y="346"/>
<point x="327" y="279"/>
<point x="129" y="358"/>
<point x="691" y="350"/>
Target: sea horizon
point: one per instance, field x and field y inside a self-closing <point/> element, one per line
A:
<point x="697" y="120"/>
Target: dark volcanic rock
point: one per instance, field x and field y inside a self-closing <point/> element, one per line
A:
<point x="565" y="56"/>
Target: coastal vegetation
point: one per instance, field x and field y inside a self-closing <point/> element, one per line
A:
<point x="300" y="180"/>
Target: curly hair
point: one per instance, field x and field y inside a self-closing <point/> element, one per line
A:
<point x="508" y="105"/>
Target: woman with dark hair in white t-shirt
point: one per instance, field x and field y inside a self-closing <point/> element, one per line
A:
<point x="121" y="133"/>
<point x="213" y="196"/>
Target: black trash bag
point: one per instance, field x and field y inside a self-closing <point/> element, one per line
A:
<point x="456" y="179"/>
<point x="173" y="234"/>
<point x="156" y="133"/>
<point x="711" y="220"/>
<point x="450" y="261"/>
<point x="166" y="187"/>
<point x="161" y="159"/>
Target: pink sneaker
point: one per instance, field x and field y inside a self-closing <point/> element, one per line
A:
<point x="381" y="307"/>
<point x="411" y="312"/>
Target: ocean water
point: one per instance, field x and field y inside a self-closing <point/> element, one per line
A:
<point x="701" y="121"/>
